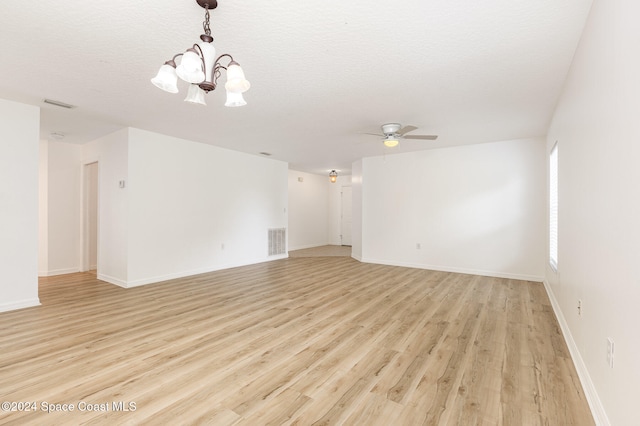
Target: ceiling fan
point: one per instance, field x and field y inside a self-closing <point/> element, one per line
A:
<point x="392" y="132"/>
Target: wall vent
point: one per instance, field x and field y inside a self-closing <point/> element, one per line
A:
<point x="277" y="241"/>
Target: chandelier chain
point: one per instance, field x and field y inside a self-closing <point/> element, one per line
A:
<point x="205" y="25"/>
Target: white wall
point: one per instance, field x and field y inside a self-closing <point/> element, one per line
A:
<point x="181" y="203"/>
<point x="195" y="208"/>
<point x="43" y="208"/>
<point x="597" y="128"/>
<point x="19" y="129"/>
<point x="111" y="152"/>
<point x="357" y="225"/>
<point x="308" y="210"/>
<point x="474" y="209"/>
<point x="63" y="208"/>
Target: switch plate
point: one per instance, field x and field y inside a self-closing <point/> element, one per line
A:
<point x="610" y="351"/>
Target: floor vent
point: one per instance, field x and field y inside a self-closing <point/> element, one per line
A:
<point x="277" y="241"/>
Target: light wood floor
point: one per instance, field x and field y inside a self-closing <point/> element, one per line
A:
<point x="297" y="341"/>
<point x="321" y="251"/>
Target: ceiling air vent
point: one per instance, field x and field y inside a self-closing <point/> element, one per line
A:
<point x="58" y="104"/>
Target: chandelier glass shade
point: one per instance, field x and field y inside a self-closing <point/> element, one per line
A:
<point x="235" y="99"/>
<point x="166" y="79"/>
<point x="195" y="95"/>
<point x="200" y="67"/>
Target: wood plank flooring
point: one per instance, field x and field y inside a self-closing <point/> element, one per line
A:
<point x="321" y="251"/>
<point x="299" y="341"/>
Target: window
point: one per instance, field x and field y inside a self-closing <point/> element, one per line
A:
<point x="553" y="208"/>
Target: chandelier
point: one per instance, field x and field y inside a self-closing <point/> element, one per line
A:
<point x="200" y="67"/>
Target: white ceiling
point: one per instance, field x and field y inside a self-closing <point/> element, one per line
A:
<point x="322" y="73"/>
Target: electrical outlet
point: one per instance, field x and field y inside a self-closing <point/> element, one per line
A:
<point x="579" y="307"/>
<point x="610" y="348"/>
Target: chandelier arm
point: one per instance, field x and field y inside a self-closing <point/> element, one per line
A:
<point x="201" y="55"/>
<point x="225" y="55"/>
<point x="217" y="66"/>
<point x="216" y="73"/>
<point x="172" y="61"/>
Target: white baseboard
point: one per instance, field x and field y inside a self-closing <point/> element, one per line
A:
<point x="309" y="246"/>
<point x="160" y="278"/>
<point x="112" y="280"/>
<point x="597" y="409"/>
<point x="20" y="304"/>
<point x="497" y="274"/>
<point x="58" y="272"/>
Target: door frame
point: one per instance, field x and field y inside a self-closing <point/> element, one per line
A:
<point x="85" y="263"/>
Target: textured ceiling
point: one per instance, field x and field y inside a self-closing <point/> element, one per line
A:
<point x="322" y="73"/>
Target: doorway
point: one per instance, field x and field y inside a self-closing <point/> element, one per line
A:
<point x="90" y="217"/>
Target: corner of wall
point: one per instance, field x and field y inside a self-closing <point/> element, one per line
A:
<point x="597" y="409"/>
<point x="19" y="166"/>
<point x="20" y="304"/>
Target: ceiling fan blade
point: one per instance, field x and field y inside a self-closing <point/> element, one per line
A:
<point x="373" y="134"/>
<point x="406" y="129"/>
<point x="423" y="137"/>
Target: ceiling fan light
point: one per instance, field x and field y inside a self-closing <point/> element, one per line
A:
<point x="195" y="95"/>
<point x="190" y="68"/>
<point x="390" y="141"/>
<point x="166" y="79"/>
<point x="235" y="99"/>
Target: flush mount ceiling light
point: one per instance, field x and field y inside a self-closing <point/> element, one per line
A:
<point x="333" y="176"/>
<point x="200" y="67"/>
